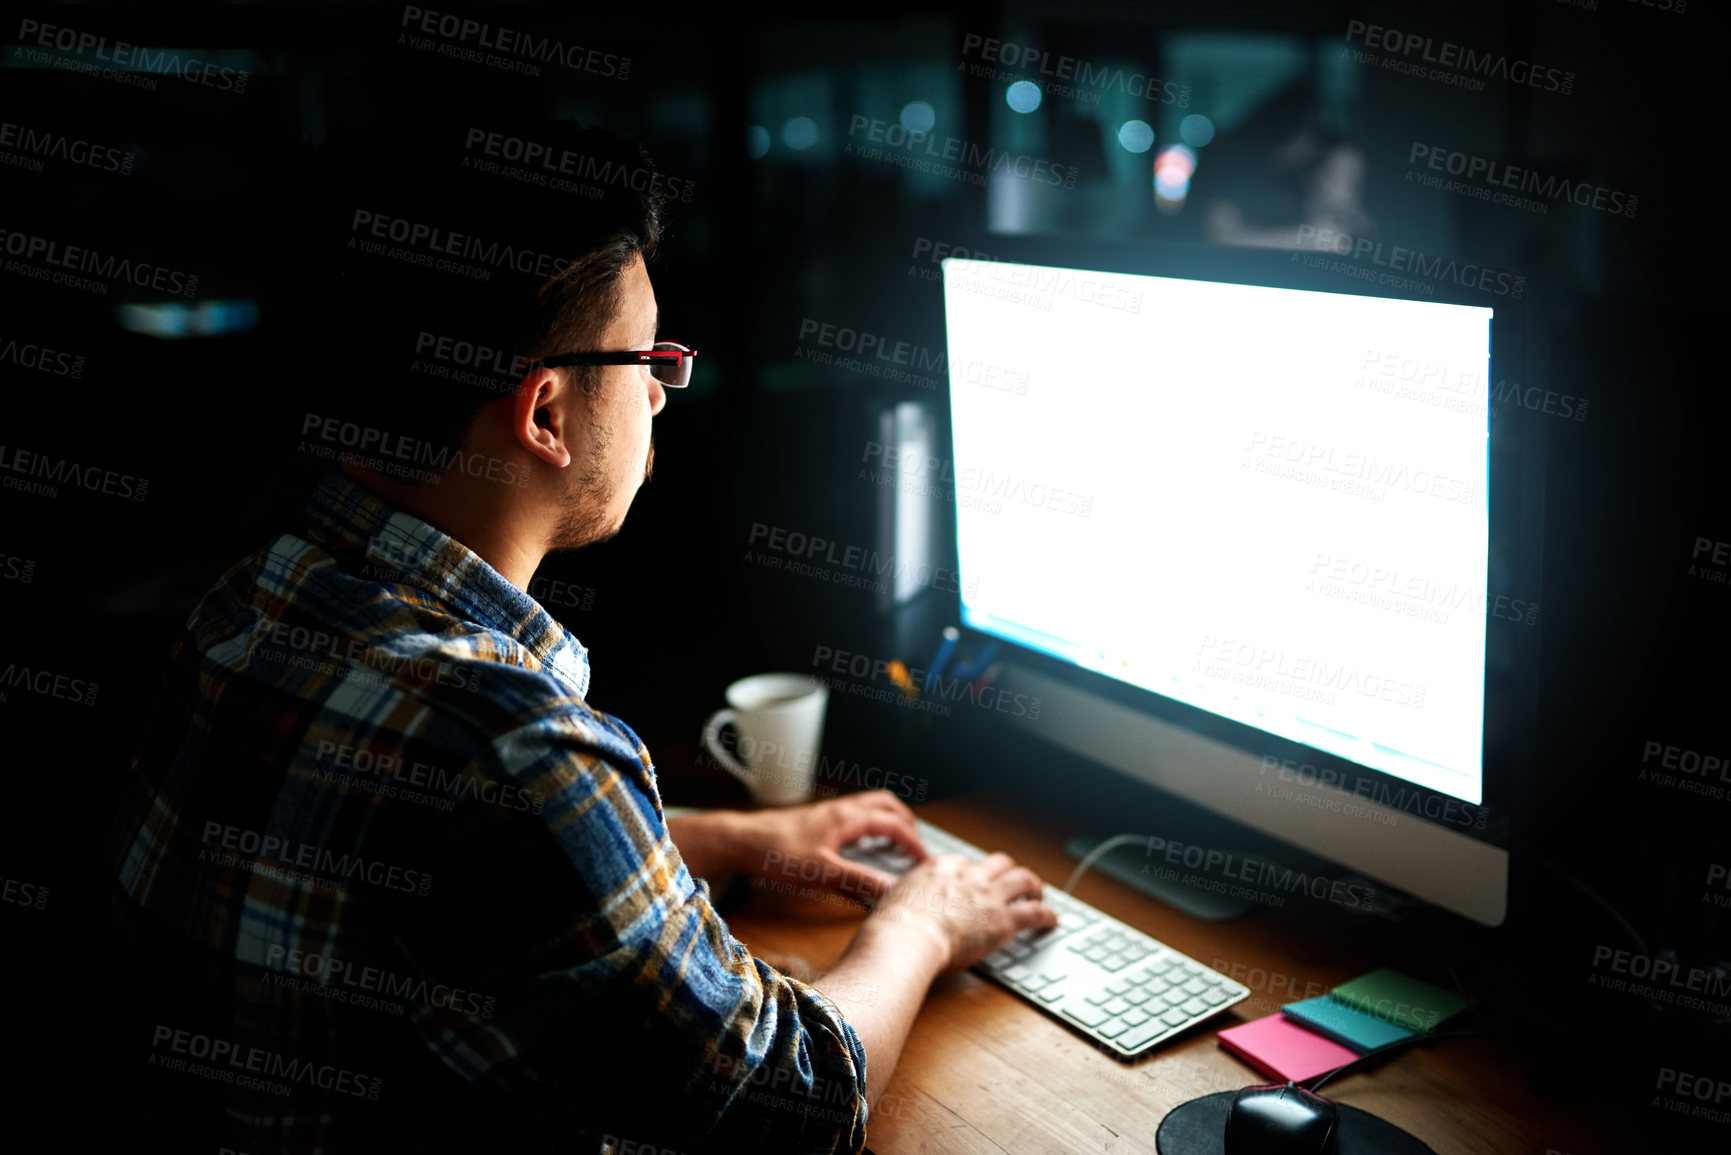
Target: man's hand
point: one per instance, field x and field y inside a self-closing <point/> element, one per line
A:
<point x="803" y="843"/>
<point x="972" y="908"/>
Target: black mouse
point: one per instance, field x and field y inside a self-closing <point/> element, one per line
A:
<point x="1281" y="1119"/>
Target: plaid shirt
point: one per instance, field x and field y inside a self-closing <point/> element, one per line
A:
<point x="423" y="896"/>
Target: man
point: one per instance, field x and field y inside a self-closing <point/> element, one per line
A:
<point x="411" y="890"/>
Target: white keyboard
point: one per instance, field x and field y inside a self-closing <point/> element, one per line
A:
<point x="1094" y="974"/>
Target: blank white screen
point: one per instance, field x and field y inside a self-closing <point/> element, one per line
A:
<point x="1267" y="503"/>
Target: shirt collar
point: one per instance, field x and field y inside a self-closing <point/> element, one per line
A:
<point x="351" y="520"/>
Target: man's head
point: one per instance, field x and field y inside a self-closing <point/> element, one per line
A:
<point x="452" y="259"/>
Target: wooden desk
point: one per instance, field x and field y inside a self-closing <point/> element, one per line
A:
<point x="985" y="1072"/>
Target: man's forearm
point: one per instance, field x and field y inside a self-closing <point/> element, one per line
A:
<point x="879" y="985"/>
<point x="713" y="843"/>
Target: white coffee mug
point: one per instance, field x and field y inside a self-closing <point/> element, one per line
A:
<point x="780" y="722"/>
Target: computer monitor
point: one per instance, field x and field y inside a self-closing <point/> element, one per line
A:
<point x="1257" y="533"/>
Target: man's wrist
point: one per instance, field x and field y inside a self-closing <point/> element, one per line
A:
<point x="714" y="843"/>
<point x="918" y="940"/>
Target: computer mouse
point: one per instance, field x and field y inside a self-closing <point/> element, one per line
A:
<point x="1281" y="1119"/>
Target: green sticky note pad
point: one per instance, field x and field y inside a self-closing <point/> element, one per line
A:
<point x="1400" y="999"/>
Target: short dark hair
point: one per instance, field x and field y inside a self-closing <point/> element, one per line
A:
<point x="440" y="261"/>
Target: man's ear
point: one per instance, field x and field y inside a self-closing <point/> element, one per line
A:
<point x="538" y="416"/>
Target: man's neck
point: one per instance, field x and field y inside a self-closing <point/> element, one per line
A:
<point x="495" y="531"/>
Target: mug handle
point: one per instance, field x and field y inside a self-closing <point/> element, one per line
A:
<point x="712" y="742"/>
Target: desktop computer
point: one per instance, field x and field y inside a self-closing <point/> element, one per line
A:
<point x="1260" y="535"/>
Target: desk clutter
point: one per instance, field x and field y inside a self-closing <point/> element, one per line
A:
<point x="1316" y="1036"/>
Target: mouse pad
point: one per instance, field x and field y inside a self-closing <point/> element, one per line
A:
<point x="1199" y="1128"/>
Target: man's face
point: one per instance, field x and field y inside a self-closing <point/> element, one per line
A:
<point x="610" y="439"/>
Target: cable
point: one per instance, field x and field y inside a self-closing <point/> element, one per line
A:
<point x="1594" y="895"/>
<point x="1093" y="855"/>
<point x="1387" y="1047"/>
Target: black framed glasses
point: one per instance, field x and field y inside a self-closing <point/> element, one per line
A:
<point x="670" y="363"/>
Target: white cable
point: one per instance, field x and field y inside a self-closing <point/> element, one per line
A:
<point x="1093" y="855"/>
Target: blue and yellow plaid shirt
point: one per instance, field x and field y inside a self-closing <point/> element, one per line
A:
<point x="424" y="895"/>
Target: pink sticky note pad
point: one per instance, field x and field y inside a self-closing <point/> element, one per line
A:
<point x="1280" y="1047"/>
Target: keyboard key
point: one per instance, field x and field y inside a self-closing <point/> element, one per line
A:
<point x="1017" y="973"/>
<point x="1094" y="953"/>
<point x="1174" y="1017"/>
<point x="1116" y="1007"/>
<point x="1139" y="977"/>
<point x="1112" y="1029"/>
<point x="1118" y="987"/>
<point x="1099" y="997"/>
<point x="1137" y="1037"/>
<point x="1213" y="978"/>
<point x="1051" y="994"/>
<point x="1033" y="983"/>
<point x="1086" y="1015"/>
<point x="1214" y="998"/>
<point x="1136" y="998"/>
<point x="1194" y="987"/>
<point x="1192" y="969"/>
<point x="1114" y="964"/>
<point x="1134" y="1018"/>
<point x="1135" y="954"/>
<point x="1195" y="1007"/>
<point x="1172" y="998"/>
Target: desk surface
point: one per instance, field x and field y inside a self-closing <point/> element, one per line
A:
<point x="985" y="1072"/>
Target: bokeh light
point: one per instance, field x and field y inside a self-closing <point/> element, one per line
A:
<point x="1023" y="96"/>
<point x="756" y="141"/>
<point x="918" y="116"/>
<point x="800" y="133"/>
<point x="1136" y="136"/>
<point x="1196" y="129"/>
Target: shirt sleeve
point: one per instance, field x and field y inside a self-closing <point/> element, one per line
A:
<point x="636" y="1009"/>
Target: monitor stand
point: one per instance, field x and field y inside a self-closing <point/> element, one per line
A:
<point x="1131" y="865"/>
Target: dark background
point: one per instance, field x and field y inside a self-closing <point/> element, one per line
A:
<point x="1631" y="310"/>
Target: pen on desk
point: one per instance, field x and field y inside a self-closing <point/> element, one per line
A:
<point x="945" y="649"/>
<point x="979" y="662"/>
